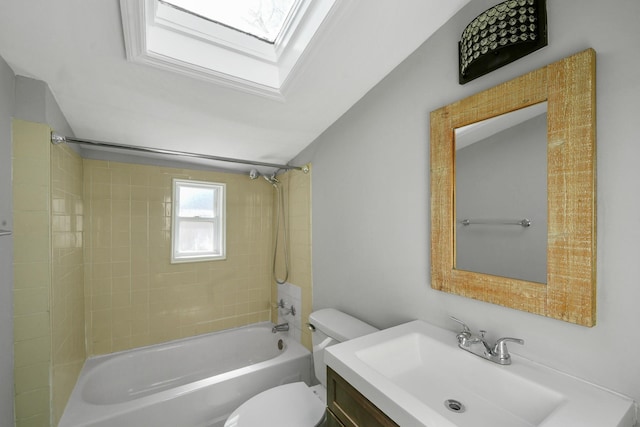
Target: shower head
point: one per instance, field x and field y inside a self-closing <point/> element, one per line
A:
<point x="253" y="174"/>
<point x="271" y="179"/>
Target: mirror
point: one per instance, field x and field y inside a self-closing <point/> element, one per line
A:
<point x="501" y="195"/>
<point x="568" y="289"/>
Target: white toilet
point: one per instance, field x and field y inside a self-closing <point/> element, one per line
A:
<point x="297" y="404"/>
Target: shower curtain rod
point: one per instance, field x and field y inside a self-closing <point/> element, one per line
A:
<point x="58" y="139"/>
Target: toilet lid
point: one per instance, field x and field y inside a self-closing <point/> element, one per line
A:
<point x="289" y="405"/>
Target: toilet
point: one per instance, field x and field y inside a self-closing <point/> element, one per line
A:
<point x="297" y="404"/>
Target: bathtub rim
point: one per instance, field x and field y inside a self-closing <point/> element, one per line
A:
<point x="265" y="324"/>
<point x="102" y="412"/>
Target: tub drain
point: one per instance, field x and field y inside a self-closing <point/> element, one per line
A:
<point x="454" y="406"/>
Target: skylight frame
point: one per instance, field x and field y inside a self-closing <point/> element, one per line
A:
<point x="155" y="37"/>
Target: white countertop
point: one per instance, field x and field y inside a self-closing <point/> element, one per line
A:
<point x="408" y="371"/>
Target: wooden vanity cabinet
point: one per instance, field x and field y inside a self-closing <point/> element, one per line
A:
<point x="330" y="420"/>
<point x="346" y="407"/>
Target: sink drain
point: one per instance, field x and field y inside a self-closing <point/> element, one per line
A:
<point x="454" y="406"/>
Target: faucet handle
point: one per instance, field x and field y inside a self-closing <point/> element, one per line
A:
<point x="501" y="352"/>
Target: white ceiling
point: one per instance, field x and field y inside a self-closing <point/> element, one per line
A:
<point x="77" y="48"/>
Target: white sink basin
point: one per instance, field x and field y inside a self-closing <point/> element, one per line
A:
<point x="411" y="370"/>
<point x="489" y="392"/>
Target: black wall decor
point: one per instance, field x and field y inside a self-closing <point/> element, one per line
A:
<point x="500" y="35"/>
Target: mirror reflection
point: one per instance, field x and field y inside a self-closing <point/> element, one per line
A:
<point x="501" y="195"/>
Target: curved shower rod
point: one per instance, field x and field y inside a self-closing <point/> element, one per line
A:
<point x="59" y="139"/>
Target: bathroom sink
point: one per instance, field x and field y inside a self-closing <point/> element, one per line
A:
<point x="418" y="376"/>
<point x="492" y="393"/>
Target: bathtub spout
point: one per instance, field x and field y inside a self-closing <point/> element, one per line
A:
<point x="282" y="327"/>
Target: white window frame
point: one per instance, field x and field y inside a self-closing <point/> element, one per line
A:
<point x="218" y="221"/>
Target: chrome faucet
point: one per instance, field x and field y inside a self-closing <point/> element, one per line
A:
<point x="476" y="344"/>
<point x="282" y="327"/>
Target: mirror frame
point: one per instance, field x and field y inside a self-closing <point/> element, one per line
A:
<point x="568" y="86"/>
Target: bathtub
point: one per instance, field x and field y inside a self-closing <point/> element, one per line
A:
<point x="192" y="382"/>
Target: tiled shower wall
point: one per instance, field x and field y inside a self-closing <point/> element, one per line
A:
<point x="134" y="296"/>
<point x="31" y="182"/>
<point x="48" y="285"/>
<point x="297" y="189"/>
<point x="67" y="277"/>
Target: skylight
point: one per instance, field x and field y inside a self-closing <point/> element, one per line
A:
<point x="250" y="45"/>
<point x="264" y="19"/>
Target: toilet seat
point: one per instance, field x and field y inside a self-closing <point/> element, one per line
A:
<point x="289" y="405"/>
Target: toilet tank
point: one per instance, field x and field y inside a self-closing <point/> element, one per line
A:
<point x="332" y="327"/>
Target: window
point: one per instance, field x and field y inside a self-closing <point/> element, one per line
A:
<point x="198" y="221"/>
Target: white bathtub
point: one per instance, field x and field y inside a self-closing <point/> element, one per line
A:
<point x="193" y="382"/>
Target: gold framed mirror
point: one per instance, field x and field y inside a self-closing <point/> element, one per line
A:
<point x="569" y="294"/>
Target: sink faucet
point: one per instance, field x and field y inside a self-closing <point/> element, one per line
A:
<point x="476" y="344"/>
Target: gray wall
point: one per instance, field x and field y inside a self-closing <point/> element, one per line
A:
<point x="371" y="196"/>
<point x="7" y="98"/>
<point x="36" y="103"/>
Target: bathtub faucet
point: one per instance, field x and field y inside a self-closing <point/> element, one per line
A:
<point x="282" y="327"/>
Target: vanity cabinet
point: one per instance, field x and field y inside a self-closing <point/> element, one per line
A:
<point x="330" y="420"/>
<point x="348" y="408"/>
